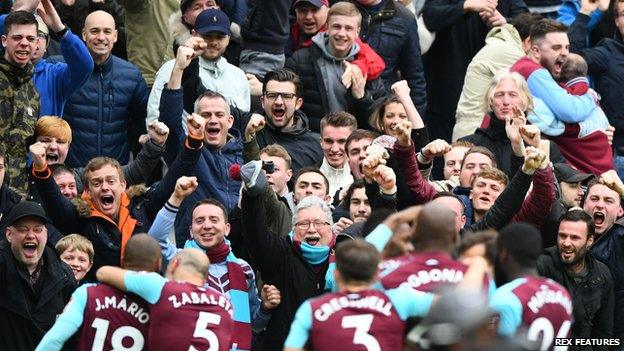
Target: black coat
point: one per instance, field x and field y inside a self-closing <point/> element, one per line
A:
<point x="393" y="33"/>
<point x="592" y="298"/>
<point x="105" y="235"/>
<point x="315" y="104"/>
<point x="606" y="66"/>
<point x="609" y="249"/>
<point x="279" y="264"/>
<point x="459" y="36"/>
<point x="27" y="312"/>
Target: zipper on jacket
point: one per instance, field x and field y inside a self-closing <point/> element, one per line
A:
<point x="100" y="107"/>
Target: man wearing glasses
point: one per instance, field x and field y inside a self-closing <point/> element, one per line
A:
<point x="285" y="123"/>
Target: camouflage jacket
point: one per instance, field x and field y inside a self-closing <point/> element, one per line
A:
<point x="19" y="110"/>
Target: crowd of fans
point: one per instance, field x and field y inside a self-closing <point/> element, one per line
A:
<point x="312" y="174"/>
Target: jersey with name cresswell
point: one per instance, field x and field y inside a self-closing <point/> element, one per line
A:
<point x="356" y="322"/>
<point x="187" y="316"/>
<point x="113" y="320"/>
<point x="427" y="271"/>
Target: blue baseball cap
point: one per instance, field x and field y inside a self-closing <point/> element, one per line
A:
<point x="212" y="20"/>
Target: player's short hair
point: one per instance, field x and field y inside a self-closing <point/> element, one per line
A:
<point x="277" y="150"/>
<point x="486" y="237"/>
<point x="75" y="242"/>
<point x="434" y="229"/>
<point x="450" y="194"/>
<point x="522" y="242"/>
<point x="357" y="261"/>
<point x="53" y="126"/>
<point x="480" y="150"/>
<point x="493" y="174"/>
<point x="142" y="253"/>
<point x="339" y="119"/>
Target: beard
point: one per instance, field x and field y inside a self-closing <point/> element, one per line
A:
<point x="578" y="257"/>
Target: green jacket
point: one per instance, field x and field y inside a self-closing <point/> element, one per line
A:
<point x="19" y="110"/>
<point x="148" y="39"/>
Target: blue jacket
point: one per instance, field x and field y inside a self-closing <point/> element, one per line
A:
<point x="570" y="9"/>
<point x="212" y="169"/>
<point x="609" y="249"/>
<point x="107" y="114"/>
<point x="57" y="81"/>
<point x="393" y="34"/>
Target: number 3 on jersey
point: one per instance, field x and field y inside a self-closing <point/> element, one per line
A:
<point x="362" y="324"/>
<point x="544" y="327"/>
<point x="201" y="330"/>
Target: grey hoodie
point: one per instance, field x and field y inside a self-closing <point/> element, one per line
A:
<point x="331" y="71"/>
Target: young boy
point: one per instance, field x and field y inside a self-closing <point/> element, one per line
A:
<point x="77" y="252"/>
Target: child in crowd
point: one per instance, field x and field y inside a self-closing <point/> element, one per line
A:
<point x="584" y="144"/>
<point x="77" y="252"/>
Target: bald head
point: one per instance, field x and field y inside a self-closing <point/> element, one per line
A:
<point x="100" y="35"/>
<point x="193" y="261"/>
<point x="435" y="228"/>
<point x="142" y="253"/>
<point x="575" y="66"/>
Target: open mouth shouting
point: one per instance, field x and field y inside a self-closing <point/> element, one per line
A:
<point x="599" y="218"/>
<point x="312" y="239"/>
<point x="30" y="250"/>
<point x="107" y="202"/>
<point x="558" y="65"/>
<point x="213" y="132"/>
<point x="567" y="254"/>
<point x="52" y="157"/>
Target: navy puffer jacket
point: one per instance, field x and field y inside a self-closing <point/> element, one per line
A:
<point x="107" y="115"/>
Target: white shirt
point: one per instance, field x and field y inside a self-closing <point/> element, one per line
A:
<point x="219" y="76"/>
<point x="338" y="177"/>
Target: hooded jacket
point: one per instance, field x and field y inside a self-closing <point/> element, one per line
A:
<point x="138" y="208"/>
<point x="18" y="115"/>
<point x="302" y="144"/>
<point x="29" y="311"/>
<point x="592" y="295"/>
<point x="323" y="91"/>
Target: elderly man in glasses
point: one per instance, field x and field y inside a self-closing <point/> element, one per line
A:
<point x="285" y="123"/>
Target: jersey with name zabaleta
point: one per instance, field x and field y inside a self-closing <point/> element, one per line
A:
<point x="183" y="315"/>
<point x="538" y="306"/>
<point x="367" y="320"/>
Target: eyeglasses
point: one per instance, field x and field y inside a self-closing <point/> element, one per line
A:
<point x="305" y="225"/>
<point x="272" y="96"/>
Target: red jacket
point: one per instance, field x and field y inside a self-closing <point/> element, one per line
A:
<point x="367" y="60"/>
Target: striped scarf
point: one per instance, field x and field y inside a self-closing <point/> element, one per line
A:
<point x="241" y="339"/>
